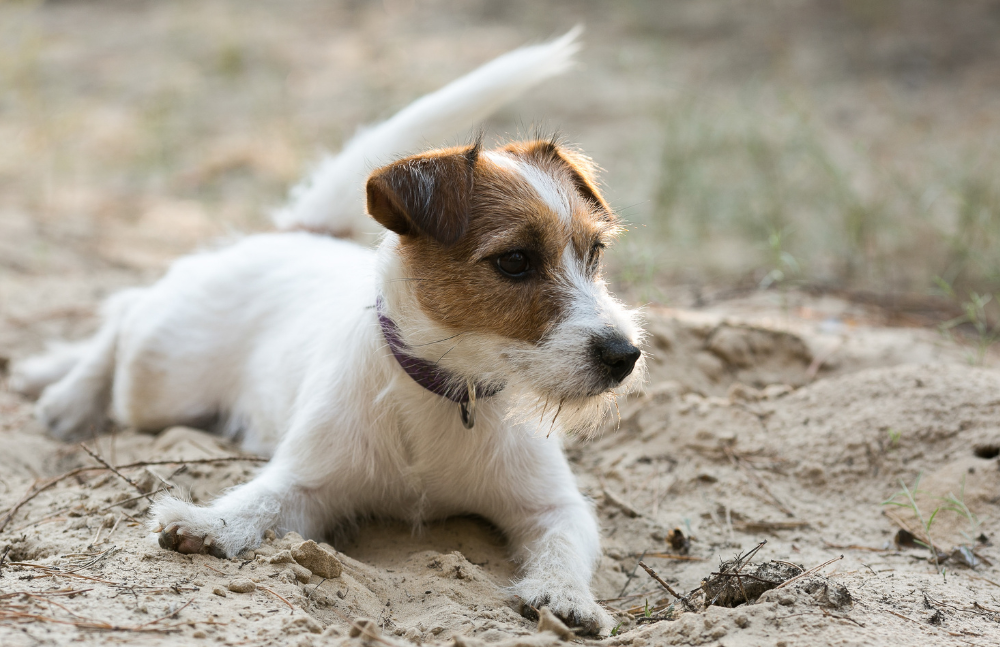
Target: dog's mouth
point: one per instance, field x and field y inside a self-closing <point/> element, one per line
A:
<point x="580" y="403"/>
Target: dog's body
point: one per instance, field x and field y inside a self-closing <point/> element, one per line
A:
<point x="489" y="273"/>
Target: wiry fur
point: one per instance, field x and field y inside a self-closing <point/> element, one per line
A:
<point x="277" y="335"/>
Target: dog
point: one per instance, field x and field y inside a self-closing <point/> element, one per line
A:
<point x="432" y="376"/>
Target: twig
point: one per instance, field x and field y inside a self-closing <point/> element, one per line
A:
<point x="621" y="504"/>
<point x="632" y="574"/>
<point x="660" y="581"/>
<point x="88" y="624"/>
<point x="35" y="491"/>
<point x="808" y="572"/>
<point x="684" y="558"/>
<point x="977" y="577"/>
<point x="38" y="489"/>
<point x="277" y="596"/>
<point x="53" y="572"/>
<point x="172" y="614"/>
<point x="316" y="588"/>
<point x="114" y="527"/>
<point x="103" y="462"/>
<point x="93" y="561"/>
<point x="97" y="535"/>
<point x="746" y="575"/>
<point x="43" y="519"/>
<point x="61" y="592"/>
<point x="856" y="547"/>
<point x="135" y="498"/>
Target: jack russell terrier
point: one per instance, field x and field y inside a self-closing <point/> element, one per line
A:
<point x="430" y="377"/>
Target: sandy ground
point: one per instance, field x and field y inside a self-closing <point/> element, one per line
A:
<point x="781" y="417"/>
<point x="789" y="425"/>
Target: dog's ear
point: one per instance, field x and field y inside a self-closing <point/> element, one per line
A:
<point x="425" y="194"/>
<point x="581" y="169"/>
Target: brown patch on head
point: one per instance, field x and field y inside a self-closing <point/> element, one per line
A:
<point x="579" y="169"/>
<point x="596" y="220"/>
<point x="450" y="243"/>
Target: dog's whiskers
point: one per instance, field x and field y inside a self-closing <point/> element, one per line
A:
<point x="553" y="423"/>
<point x="430" y="343"/>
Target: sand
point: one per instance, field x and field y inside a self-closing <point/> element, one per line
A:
<point x="767" y="426"/>
<point x="776" y="416"/>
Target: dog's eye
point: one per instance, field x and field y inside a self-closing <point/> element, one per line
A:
<point x="514" y="264"/>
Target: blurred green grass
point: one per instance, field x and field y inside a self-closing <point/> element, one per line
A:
<point x="831" y="145"/>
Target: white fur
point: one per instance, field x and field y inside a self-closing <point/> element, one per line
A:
<point x="332" y="198"/>
<point x="277" y="335"/>
<point x="269" y="334"/>
<point x="548" y="189"/>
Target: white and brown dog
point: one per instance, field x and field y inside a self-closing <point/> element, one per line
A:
<point x="416" y="381"/>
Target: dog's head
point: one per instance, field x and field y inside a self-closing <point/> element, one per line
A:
<point x="496" y="273"/>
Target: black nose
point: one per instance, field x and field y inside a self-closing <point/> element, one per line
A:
<point x="617" y="355"/>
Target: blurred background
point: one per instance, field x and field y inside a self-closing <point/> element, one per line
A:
<point x="776" y="148"/>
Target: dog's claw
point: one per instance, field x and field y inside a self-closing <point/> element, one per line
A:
<point x="174" y="538"/>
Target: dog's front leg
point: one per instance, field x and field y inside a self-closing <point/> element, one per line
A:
<point x="235" y="521"/>
<point x="554" y="535"/>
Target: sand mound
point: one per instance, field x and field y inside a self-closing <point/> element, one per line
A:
<point x="742" y="436"/>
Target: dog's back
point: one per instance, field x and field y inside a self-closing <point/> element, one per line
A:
<point x="75" y="380"/>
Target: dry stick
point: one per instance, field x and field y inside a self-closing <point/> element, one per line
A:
<point x="88" y="624"/>
<point x="309" y="595"/>
<point x="746" y="575"/>
<point x="51" y="572"/>
<point x="38" y="489"/>
<point x="35" y="491"/>
<point x="64" y="608"/>
<point x="660" y="581"/>
<point x="620" y="503"/>
<point x="93" y="561"/>
<point x="114" y="527"/>
<point x="857" y="547"/>
<point x="60" y="592"/>
<point x="977" y="577"/>
<point x="922" y="625"/>
<point x="277" y="596"/>
<point x="97" y="536"/>
<point x="135" y="498"/>
<point x="807" y="573"/>
<point x="631" y="575"/>
<point x="103" y="462"/>
<point x="43" y="519"/>
<point x="172" y="614"/>
<point x="683" y="558"/>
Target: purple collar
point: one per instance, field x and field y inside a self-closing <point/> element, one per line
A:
<point x="427" y="374"/>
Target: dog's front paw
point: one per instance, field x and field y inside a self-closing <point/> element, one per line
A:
<point x="187" y="528"/>
<point x="178" y="538"/>
<point x="69" y="410"/>
<point x="571" y="603"/>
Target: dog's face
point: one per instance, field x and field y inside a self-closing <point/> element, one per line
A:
<point x="502" y="252"/>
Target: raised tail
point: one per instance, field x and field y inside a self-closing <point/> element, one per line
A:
<point x="332" y="198"/>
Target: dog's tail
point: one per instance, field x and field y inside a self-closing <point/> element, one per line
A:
<point x="331" y="198"/>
